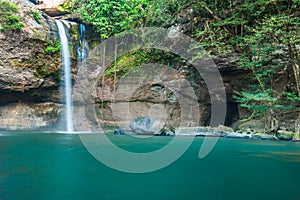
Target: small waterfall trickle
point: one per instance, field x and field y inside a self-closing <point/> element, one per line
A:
<point x="67" y="76"/>
<point x="82" y="50"/>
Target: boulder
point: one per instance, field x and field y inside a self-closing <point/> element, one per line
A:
<point x="219" y="131"/>
<point x="194" y="131"/>
<point x="119" y="132"/>
<point x="53" y="8"/>
<point x="224" y="129"/>
<point x="166" y="131"/>
<point x="250" y="126"/>
<point x="147" y="125"/>
<point x="264" y="136"/>
<point x="284" y="135"/>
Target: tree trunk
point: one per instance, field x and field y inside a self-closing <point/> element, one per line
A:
<point x="271" y="124"/>
<point x="296" y="70"/>
<point x="297" y="129"/>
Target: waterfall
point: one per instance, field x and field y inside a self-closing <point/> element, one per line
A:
<point x="66" y="66"/>
<point x="82" y="50"/>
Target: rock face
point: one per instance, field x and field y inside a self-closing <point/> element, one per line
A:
<point x="161" y="95"/>
<point x="29" y="116"/>
<point x="161" y="98"/>
<point x="30" y="72"/>
<point x="52" y="7"/>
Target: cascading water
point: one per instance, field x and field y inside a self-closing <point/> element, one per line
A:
<point x="66" y="66"/>
<point x="82" y="50"/>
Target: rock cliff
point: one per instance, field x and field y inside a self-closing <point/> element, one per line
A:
<point x="30" y="68"/>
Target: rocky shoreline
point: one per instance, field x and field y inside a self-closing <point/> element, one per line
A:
<point x="150" y="126"/>
<point x="212" y="132"/>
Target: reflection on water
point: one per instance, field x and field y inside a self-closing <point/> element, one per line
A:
<point x="283" y="156"/>
<point x="57" y="166"/>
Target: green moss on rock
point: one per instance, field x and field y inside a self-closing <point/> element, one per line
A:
<point x="8" y="19"/>
<point x="285" y="135"/>
<point x="44" y="59"/>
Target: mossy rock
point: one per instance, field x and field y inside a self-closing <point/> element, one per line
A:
<point x="285" y="135"/>
<point x="223" y="129"/>
<point x="256" y="125"/>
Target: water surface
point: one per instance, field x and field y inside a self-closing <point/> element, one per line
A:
<point x="57" y="166"/>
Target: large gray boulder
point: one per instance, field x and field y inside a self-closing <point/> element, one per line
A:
<point x="147" y="125"/>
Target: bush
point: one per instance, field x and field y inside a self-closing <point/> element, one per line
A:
<point x="7" y="7"/>
<point x="7" y="19"/>
<point x="12" y="22"/>
<point x="52" y="48"/>
<point x="35" y="14"/>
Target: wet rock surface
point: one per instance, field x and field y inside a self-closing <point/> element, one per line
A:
<point x="29" y="116"/>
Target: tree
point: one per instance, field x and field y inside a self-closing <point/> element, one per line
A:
<point x="264" y="35"/>
<point x="111" y="16"/>
<point x="271" y="52"/>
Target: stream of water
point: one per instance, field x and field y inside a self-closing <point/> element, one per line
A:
<point x="67" y="76"/>
<point x="82" y="50"/>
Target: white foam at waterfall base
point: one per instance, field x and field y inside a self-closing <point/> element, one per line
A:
<point x="66" y="65"/>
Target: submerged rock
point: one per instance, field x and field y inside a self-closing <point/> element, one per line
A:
<point x="119" y="132"/>
<point x="166" y="132"/>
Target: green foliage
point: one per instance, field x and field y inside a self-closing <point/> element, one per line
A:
<point x="8" y="7"/>
<point x="111" y="16"/>
<point x="35" y="14"/>
<point x="8" y="20"/>
<point x="114" y="16"/>
<point x="52" y="48"/>
<point x="68" y="6"/>
<point x="267" y="56"/>
<point x="132" y="60"/>
<point x="163" y="13"/>
<point x="12" y="23"/>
